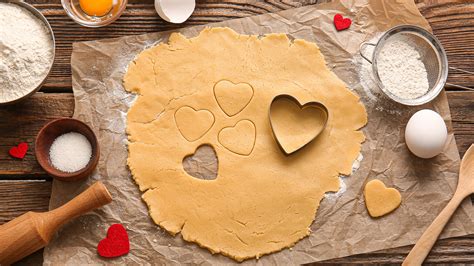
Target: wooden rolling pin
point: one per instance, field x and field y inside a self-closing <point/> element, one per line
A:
<point x="32" y="230"/>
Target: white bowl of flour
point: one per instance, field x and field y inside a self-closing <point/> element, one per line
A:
<point x="27" y="50"/>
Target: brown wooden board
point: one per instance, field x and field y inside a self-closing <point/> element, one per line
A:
<point x="453" y="25"/>
<point x="140" y="17"/>
<point x="25" y="120"/>
<point x="19" y="196"/>
<point x="21" y="123"/>
<point x="452" y="22"/>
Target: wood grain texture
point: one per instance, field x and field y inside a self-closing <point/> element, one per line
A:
<point x="451" y="20"/>
<point x="25" y="120"/>
<point x="21" y="123"/>
<point x="32" y="231"/>
<point x="453" y="25"/>
<point x="140" y="17"/>
<point x="23" y="196"/>
<point x="461" y="105"/>
<point x="18" y="197"/>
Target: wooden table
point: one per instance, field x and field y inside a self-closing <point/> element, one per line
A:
<point x="24" y="186"/>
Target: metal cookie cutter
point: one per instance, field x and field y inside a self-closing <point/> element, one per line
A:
<point x="319" y="107"/>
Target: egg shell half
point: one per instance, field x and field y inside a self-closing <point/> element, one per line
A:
<point x="175" y="11"/>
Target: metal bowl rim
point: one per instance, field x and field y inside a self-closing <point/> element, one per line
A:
<point x="443" y="60"/>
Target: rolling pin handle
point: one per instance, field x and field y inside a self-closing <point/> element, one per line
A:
<point x="31" y="231"/>
<point x="92" y="198"/>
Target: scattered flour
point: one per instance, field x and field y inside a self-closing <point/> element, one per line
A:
<point x="371" y="94"/>
<point x="25" y="52"/>
<point x="343" y="188"/>
<point x="366" y="77"/>
<point x="401" y="69"/>
<point x="70" y="152"/>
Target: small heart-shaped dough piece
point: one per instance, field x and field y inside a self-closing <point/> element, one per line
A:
<point x="193" y="124"/>
<point x="231" y="97"/>
<point x="379" y="199"/>
<point x="240" y="138"/>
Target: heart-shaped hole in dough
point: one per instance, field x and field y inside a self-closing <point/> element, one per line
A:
<point x="203" y="164"/>
<point x="295" y="125"/>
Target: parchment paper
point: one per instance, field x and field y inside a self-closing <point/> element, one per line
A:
<point x="342" y="226"/>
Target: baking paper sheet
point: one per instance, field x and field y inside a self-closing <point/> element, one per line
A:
<point x="342" y="226"/>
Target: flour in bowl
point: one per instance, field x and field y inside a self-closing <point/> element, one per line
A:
<point x="401" y="70"/>
<point x="26" y="52"/>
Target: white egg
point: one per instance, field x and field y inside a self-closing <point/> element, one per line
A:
<point x="426" y="134"/>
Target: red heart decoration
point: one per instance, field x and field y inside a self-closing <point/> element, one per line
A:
<point x="19" y="151"/>
<point x="341" y="23"/>
<point x="115" y="244"/>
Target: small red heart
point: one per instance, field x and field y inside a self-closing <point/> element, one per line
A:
<point x="341" y="23"/>
<point x="19" y="151"/>
<point x="115" y="244"/>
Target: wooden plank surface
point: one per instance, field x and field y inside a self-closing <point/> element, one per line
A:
<point x="140" y="17"/>
<point x="23" y="122"/>
<point x="453" y="25"/>
<point x="26" y="119"/>
<point x="451" y="20"/>
<point x="19" y="196"/>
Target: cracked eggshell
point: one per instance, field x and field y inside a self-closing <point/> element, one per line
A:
<point x="175" y="11"/>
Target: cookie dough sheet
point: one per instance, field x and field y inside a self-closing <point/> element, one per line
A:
<point x="342" y="226"/>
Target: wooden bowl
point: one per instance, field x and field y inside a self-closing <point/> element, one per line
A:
<point x="56" y="128"/>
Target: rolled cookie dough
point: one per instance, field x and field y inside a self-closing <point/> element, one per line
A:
<point x="261" y="201"/>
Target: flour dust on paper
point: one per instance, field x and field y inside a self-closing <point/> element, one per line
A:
<point x="215" y="89"/>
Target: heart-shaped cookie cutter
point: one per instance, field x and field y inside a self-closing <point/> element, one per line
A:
<point x="311" y="104"/>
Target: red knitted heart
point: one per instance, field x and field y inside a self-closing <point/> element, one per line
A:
<point x="115" y="244"/>
<point x="19" y="151"/>
<point x="341" y="23"/>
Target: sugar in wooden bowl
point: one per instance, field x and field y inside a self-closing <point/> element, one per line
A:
<point x="67" y="149"/>
<point x="70" y="152"/>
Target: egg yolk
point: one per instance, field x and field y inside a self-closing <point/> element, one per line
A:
<point x="96" y="8"/>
